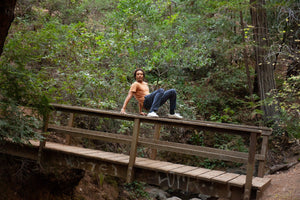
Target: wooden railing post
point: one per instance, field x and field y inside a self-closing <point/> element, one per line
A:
<point x="156" y="137"/>
<point x="250" y="166"/>
<point x="70" y="124"/>
<point x="133" y="150"/>
<point x="264" y="148"/>
<point x="43" y="142"/>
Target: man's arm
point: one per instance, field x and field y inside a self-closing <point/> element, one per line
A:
<point x="129" y="96"/>
<point x="141" y="110"/>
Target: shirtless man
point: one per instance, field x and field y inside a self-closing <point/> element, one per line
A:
<point x="150" y="101"/>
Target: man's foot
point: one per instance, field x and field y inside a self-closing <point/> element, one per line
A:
<point x="152" y="114"/>
<point x="175" y="116"/>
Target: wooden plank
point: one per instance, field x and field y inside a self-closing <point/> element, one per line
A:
<point x="201" y="151"/>
<point x="77" y="150"/>
<point x="156" y="137"/>
<point x="92" y="152"/>
<point x="139" y="159"/>
<point x="43" y="142"/>
<point x="210" y="175"/>
<point x="133" y="150"/>
<point x="183" y="170"/>
<point x="197" y="172"/>
<point x="169" y="167"/>
<point x="153" y="165"/>
<point x="250" y="166"/>
<point x="145" y="162"/>
<point x="224" y="178"/>
<point x="158" y="164"/>
<point x="261" y="164"/>
<point x="168" y="146"/>
<point x="110" y="155"/>
<point x="257" y="182"/>
<point x="261" y="183"/>
<point x="230" y="128"/>
<point x="121" y="159"/>
<point x="91" y="134"/>
<point x="238" y="181"/>
<point x="34" y="142"/>
<point x="70" y="124"/>
<point x="67" y="148"/>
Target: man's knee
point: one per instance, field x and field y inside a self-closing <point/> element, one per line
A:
<point x="160" y="90"/>
<point x="173" y="91"/>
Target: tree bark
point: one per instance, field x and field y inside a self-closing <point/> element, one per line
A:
<point x="7" y="8"/>
<point x="245" y="53"/>
<point x="264" y="69"/>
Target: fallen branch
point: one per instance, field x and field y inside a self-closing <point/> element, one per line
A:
<point x="281" y="167"/>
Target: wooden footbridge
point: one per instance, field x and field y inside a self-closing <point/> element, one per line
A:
<point x="161" y="173"/>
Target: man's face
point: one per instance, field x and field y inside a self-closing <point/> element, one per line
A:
<point x="139" y="76"/>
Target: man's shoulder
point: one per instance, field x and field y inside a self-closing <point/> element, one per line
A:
<point x="138" y="83"/>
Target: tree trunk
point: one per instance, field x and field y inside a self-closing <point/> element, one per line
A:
<point x="7" y="8"/>
<point x="245" y="53"/>
<point x="264" y="69"/>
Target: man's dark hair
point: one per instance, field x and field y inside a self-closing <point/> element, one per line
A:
<point x="139" y="69"/>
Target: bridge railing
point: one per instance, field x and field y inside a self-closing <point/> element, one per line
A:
<point x="134" y="140"/>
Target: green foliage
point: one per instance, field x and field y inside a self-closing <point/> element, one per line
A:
<point x="100" y="179"/>
<point x="22" y="105"/>
<point x="197" y="139"/>
<point x="83" y="53"/>
<point x="137" y="190"/>
<point x="287" y="99"/>
<point x="212" y="163"/>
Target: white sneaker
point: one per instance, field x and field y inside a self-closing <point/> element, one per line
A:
<point x="175" y="116"/>
<point x="152" y="114"/>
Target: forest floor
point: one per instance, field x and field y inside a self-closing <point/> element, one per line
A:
<point x="285" y="182"/>
<point x="285" y="185"/>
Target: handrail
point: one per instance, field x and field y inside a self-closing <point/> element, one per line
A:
<point x="252" y="132"/>
<point x="214" y="126"/>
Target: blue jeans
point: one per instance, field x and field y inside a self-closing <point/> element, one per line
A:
<point x="157" y="98"/>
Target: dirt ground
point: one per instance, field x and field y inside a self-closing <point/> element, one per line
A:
<point x="285" y="185"/>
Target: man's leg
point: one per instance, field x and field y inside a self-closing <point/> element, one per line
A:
<point x="153" y="100"/>
<point x="172" y="95"/>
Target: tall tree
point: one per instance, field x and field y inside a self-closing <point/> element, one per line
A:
<point x="7" y="8"/>
<point x="264" y="69"/>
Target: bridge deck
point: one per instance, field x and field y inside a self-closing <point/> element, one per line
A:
<point x="230" y="179"/>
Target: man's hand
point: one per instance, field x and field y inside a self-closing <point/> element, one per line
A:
<point x="123" y="111"/>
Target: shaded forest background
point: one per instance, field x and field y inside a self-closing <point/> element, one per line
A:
<point x="214" y="53"/>
<point x="82" y="52"/>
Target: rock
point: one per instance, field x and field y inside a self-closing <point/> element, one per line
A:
<point x="173" y="198"/>
<point x="203" y="196"/>
<point x="156" y="193"/>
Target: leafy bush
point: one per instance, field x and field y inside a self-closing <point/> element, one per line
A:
<point x="287" y="99"/>
<point x="22" y="105"/>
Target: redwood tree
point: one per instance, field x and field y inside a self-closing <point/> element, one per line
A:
<point x="7" y="8"/>
<point x="264" y="69"/>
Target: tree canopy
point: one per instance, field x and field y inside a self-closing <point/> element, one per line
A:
<point x="83" y="52"/>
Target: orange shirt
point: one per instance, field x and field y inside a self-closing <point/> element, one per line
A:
<point x="140" y="90"/>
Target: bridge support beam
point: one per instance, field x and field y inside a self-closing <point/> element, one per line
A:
<point x="250" y="166"/>
<point x="135" y="137"/>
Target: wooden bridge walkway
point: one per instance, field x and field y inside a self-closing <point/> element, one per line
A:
<point x="130" y="167"/>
